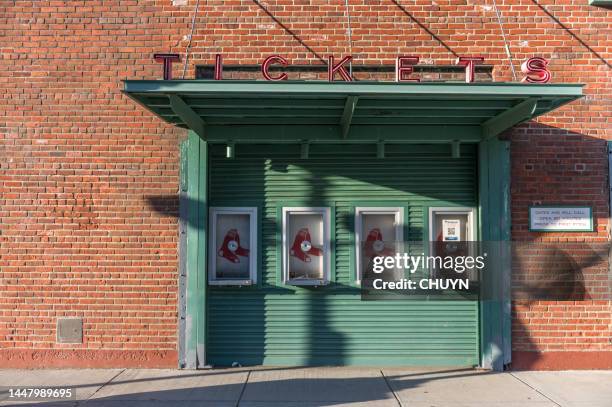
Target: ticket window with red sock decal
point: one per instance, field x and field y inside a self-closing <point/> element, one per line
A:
<point x="306" y="245"/>
<point x="233" y="246"/>
<point x="379" y="231"/>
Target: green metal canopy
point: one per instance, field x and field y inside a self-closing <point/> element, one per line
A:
<point x="260" y="111"/>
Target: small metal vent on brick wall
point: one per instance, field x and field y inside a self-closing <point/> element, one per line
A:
<point x="70" y="330"/>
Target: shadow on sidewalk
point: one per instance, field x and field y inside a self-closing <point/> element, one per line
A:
<point x="277" y="386"/>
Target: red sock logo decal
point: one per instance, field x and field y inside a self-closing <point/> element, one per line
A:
<point x="231" y="248"/>
<point x="302" y="246"/>
<point x="375" y="245"/>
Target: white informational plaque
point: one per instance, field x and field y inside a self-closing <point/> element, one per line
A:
<point x="560" y="219"/>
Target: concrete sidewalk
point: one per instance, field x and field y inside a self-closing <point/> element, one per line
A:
<point x="293" y="387"/>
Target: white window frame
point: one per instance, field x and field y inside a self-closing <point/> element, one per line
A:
<point x="307" y="210"/>
<point x="454" y="210"/>
<point x="253" y="249"/>
<point x="398" y="211"/>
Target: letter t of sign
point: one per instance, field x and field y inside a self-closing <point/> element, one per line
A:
<point x="167" y="60"/>
<point x="339" y="67"/>
<point x="469" y="63"/>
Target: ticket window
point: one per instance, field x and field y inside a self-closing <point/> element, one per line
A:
<point x="233" y="246"/>
<point x="378" y="232"/>
<point x="450" y="230"/>
<point x="306" y="245"/>
<point x="453" y="226"/>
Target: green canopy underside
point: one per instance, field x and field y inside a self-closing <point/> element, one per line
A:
<point x="252" y="111"/>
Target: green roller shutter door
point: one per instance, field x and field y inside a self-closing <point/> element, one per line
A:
<point x="275" y="324"/>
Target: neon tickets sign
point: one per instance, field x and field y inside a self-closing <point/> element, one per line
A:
<point x="535" y="69"/>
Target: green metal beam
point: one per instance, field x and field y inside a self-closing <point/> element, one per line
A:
<point x="435" y="104"/>
<point x="336" y="103"/>
<point x="272" y="112"/>
<point x="292" y="134"/>
<point x="186" y="113"/>
<point x="347" y="115"/>
<point x="311" y="121"/>
<point x="425" y="90"/>
<point x="513" y="116"/>
<point x="448" y="121"/>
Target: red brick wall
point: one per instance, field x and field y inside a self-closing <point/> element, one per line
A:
<point x="562" y="159"/>
<point x="554" y="165"/>
<point x="80" y="162"/>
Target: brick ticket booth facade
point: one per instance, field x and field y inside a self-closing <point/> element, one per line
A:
<point x="107" y="205"/>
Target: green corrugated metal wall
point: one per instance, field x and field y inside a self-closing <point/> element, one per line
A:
<point x="275" y="324"/>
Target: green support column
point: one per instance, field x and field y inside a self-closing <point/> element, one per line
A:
<point x="197" y="224"/>
<point x="494" y="202"/>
